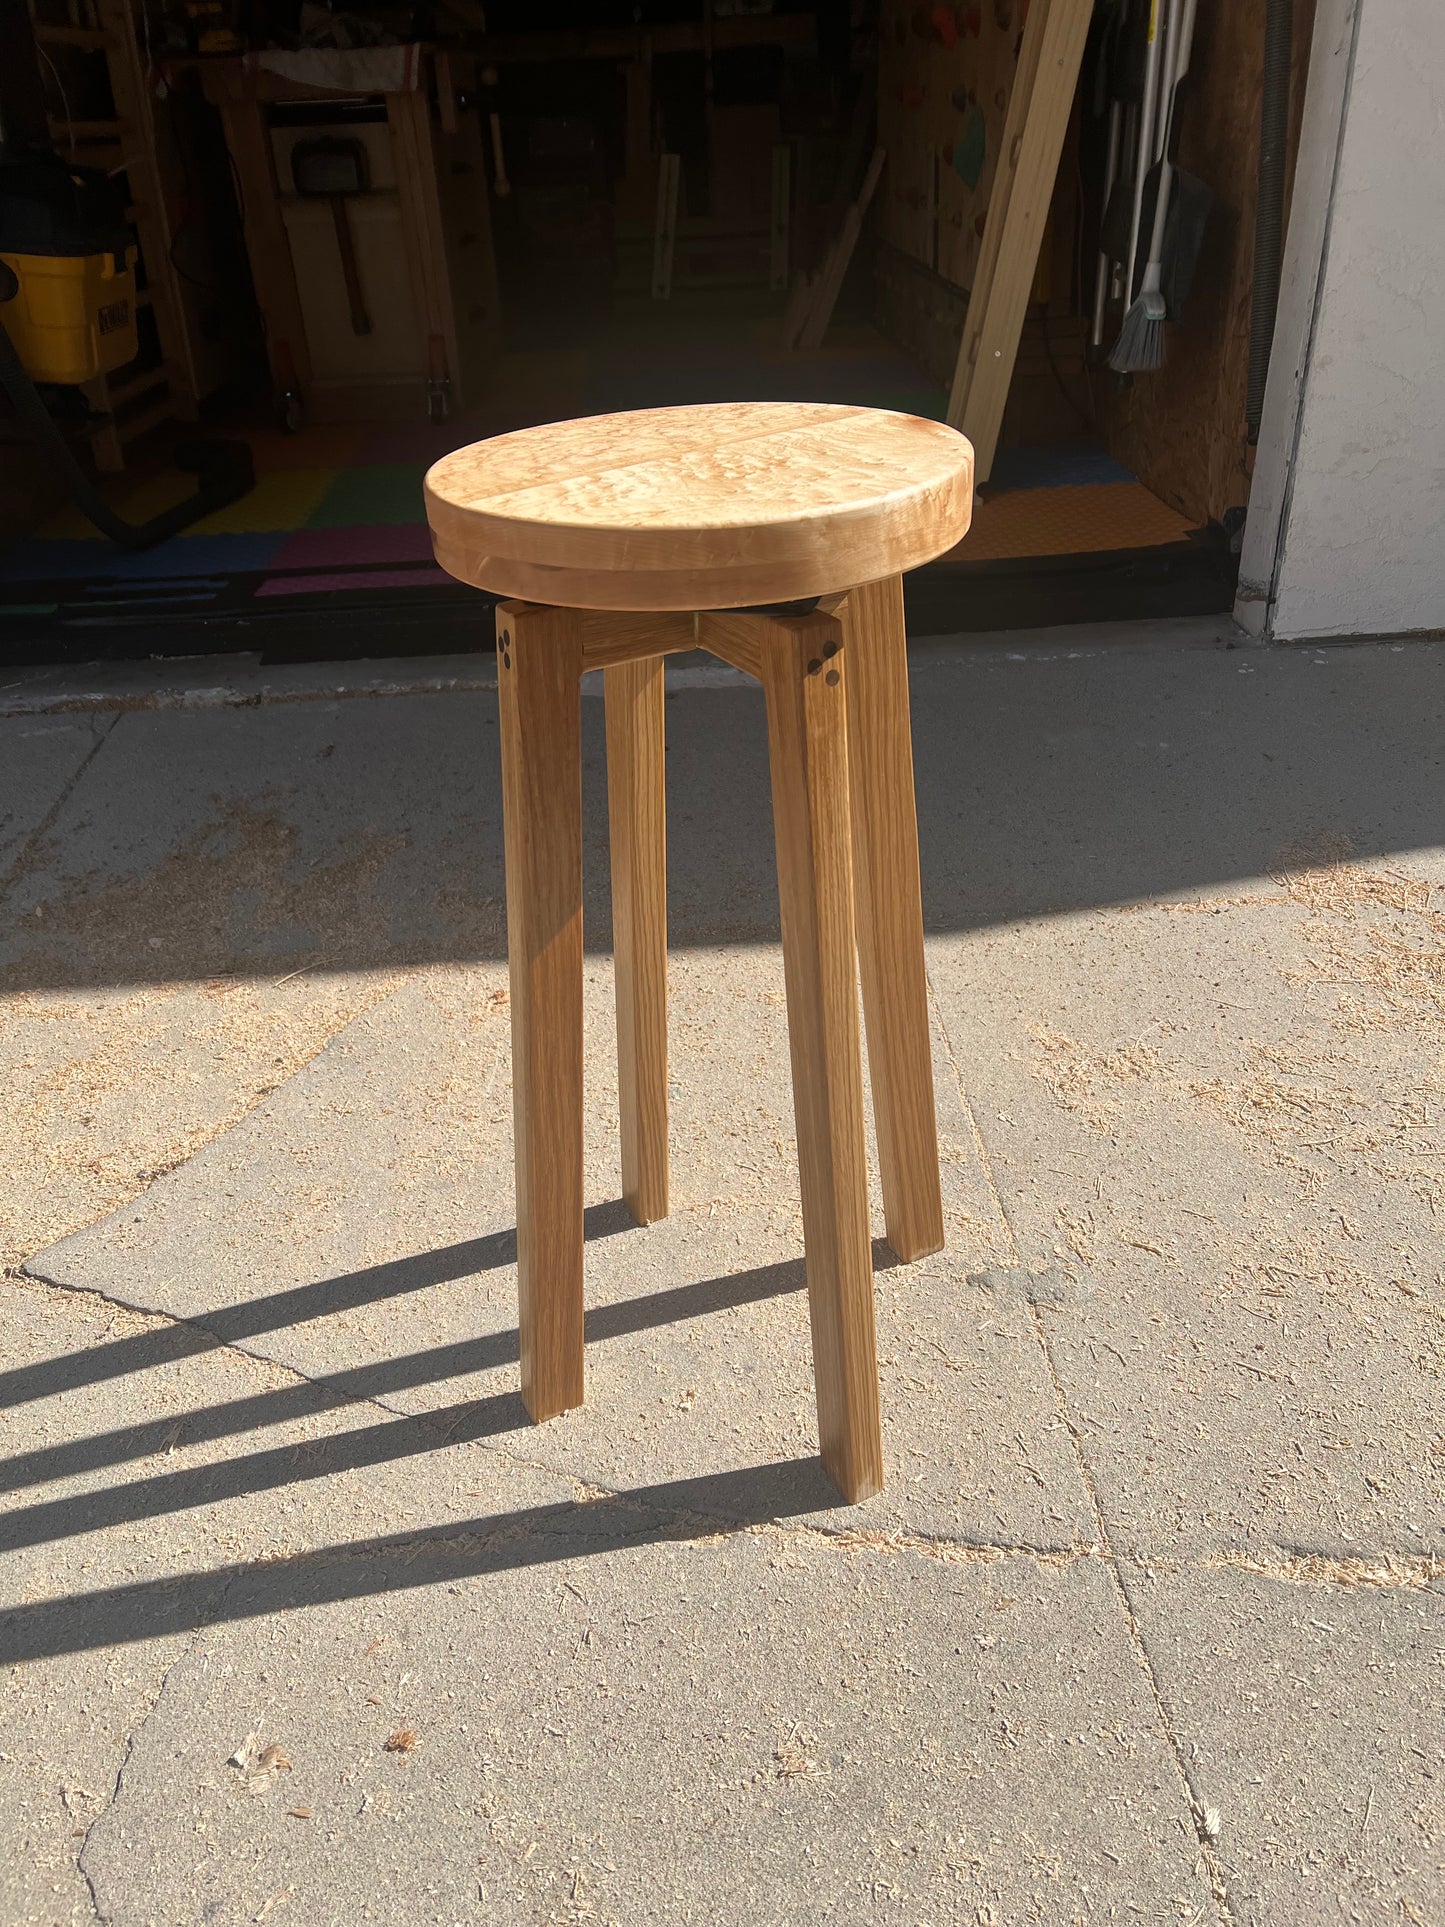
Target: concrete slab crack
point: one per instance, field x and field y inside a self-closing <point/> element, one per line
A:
<point x="1199" y="1814"/>
<point x="100" y="1914"/>
<point x="376" y="994"/>
<point x="103" y="733"/>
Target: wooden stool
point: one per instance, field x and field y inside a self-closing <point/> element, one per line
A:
<point x="627" y="538"/>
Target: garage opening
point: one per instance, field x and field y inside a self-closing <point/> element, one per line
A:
<point x="365" y="237"/>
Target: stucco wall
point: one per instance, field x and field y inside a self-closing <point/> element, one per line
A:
<point x="1361" y="543"/>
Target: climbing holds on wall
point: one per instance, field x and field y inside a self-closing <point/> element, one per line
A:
<point x="971" y="147"/>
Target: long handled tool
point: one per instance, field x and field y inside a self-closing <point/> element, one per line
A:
<point x="1105" y="265"/>
<point x="1106" y="88"/>
<point x="1145" y="153"/>
<point x="1140" y="347"/>
<point x="332" y="170"/>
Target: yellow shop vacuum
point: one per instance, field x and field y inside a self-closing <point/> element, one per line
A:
<point x="68" y="314"/>
<point x="71" y="259"/>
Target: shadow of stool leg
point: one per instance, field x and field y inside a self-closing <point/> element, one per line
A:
<point x="803" y="673"/>
<point x="889" y="908"/>
<point x="539" y="671"/>
<point x="637" y="825"/>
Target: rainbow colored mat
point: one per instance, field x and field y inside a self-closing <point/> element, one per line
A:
<point x="336" y="514"/>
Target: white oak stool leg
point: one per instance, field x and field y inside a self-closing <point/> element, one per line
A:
<point x="637" y="821"/>
<point x="539" y="670"/>
<point x="803" y="674"/>
<point x="889" y="908"/>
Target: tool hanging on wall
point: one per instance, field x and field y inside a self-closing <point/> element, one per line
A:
<point x="1140" y="347"/>
<point x="328" y="169"/>
<point x="1148" y="102"/>
<point x="1127" y="52"/>
<point x="1190" y="201"/>
<point x="1108" y="88"/>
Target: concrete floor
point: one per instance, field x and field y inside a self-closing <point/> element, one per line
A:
<point x="303" y="1622"/>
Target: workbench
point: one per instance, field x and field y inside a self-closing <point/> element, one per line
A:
<point x="421" y="234"/>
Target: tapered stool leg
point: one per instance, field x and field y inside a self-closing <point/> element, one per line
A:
<point x="637" y="820"/>
<point x="539" y="669"/>
<point x="803" y="674"/>
<point x="889" y="909"/>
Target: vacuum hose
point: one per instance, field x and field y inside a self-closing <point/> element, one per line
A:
<point x="1269" y="207"/>
<point x="224" y="470"/>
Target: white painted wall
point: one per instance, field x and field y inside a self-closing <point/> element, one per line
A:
<point x="1346" y="530"/>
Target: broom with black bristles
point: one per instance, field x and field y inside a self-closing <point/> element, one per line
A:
<point x="1140" y="347"/>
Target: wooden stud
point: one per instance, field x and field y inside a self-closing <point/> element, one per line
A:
<point x="424" y="231"/>
<point x="636" y="187"/>
<point x="267" y="247"/>
<point x="839" y="258"/>
<point x="130" y="85"/>
<point x="636" y="811"/>
<point x="446" y="91"/>
<point x="539" y="667"/>
<point x="803" y="677"/>
<point x="781" y="218"/>
<point x="475" y="295"/>
<point x="1018" y="207"/>
<point x="664" y="239"/>
<point x="930" y="204"/>
<point x="889" y="907"/>
<point x="996" y="221"/>
<point x="799" y="306"/>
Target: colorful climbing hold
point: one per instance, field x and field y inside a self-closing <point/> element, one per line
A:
<point x="971" y="148"/>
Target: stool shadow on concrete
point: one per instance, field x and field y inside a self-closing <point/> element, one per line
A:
<point x="400" y="1437"/>
<point x="425" y="1555"/>
<point x="233" y="1323"/>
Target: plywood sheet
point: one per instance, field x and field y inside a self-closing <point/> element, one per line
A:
<point x="944" y="79"/>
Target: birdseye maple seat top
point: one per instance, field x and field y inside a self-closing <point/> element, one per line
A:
<point x="715" y="506"/>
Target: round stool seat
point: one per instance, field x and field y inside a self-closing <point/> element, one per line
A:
<point x="719" y="506"/>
